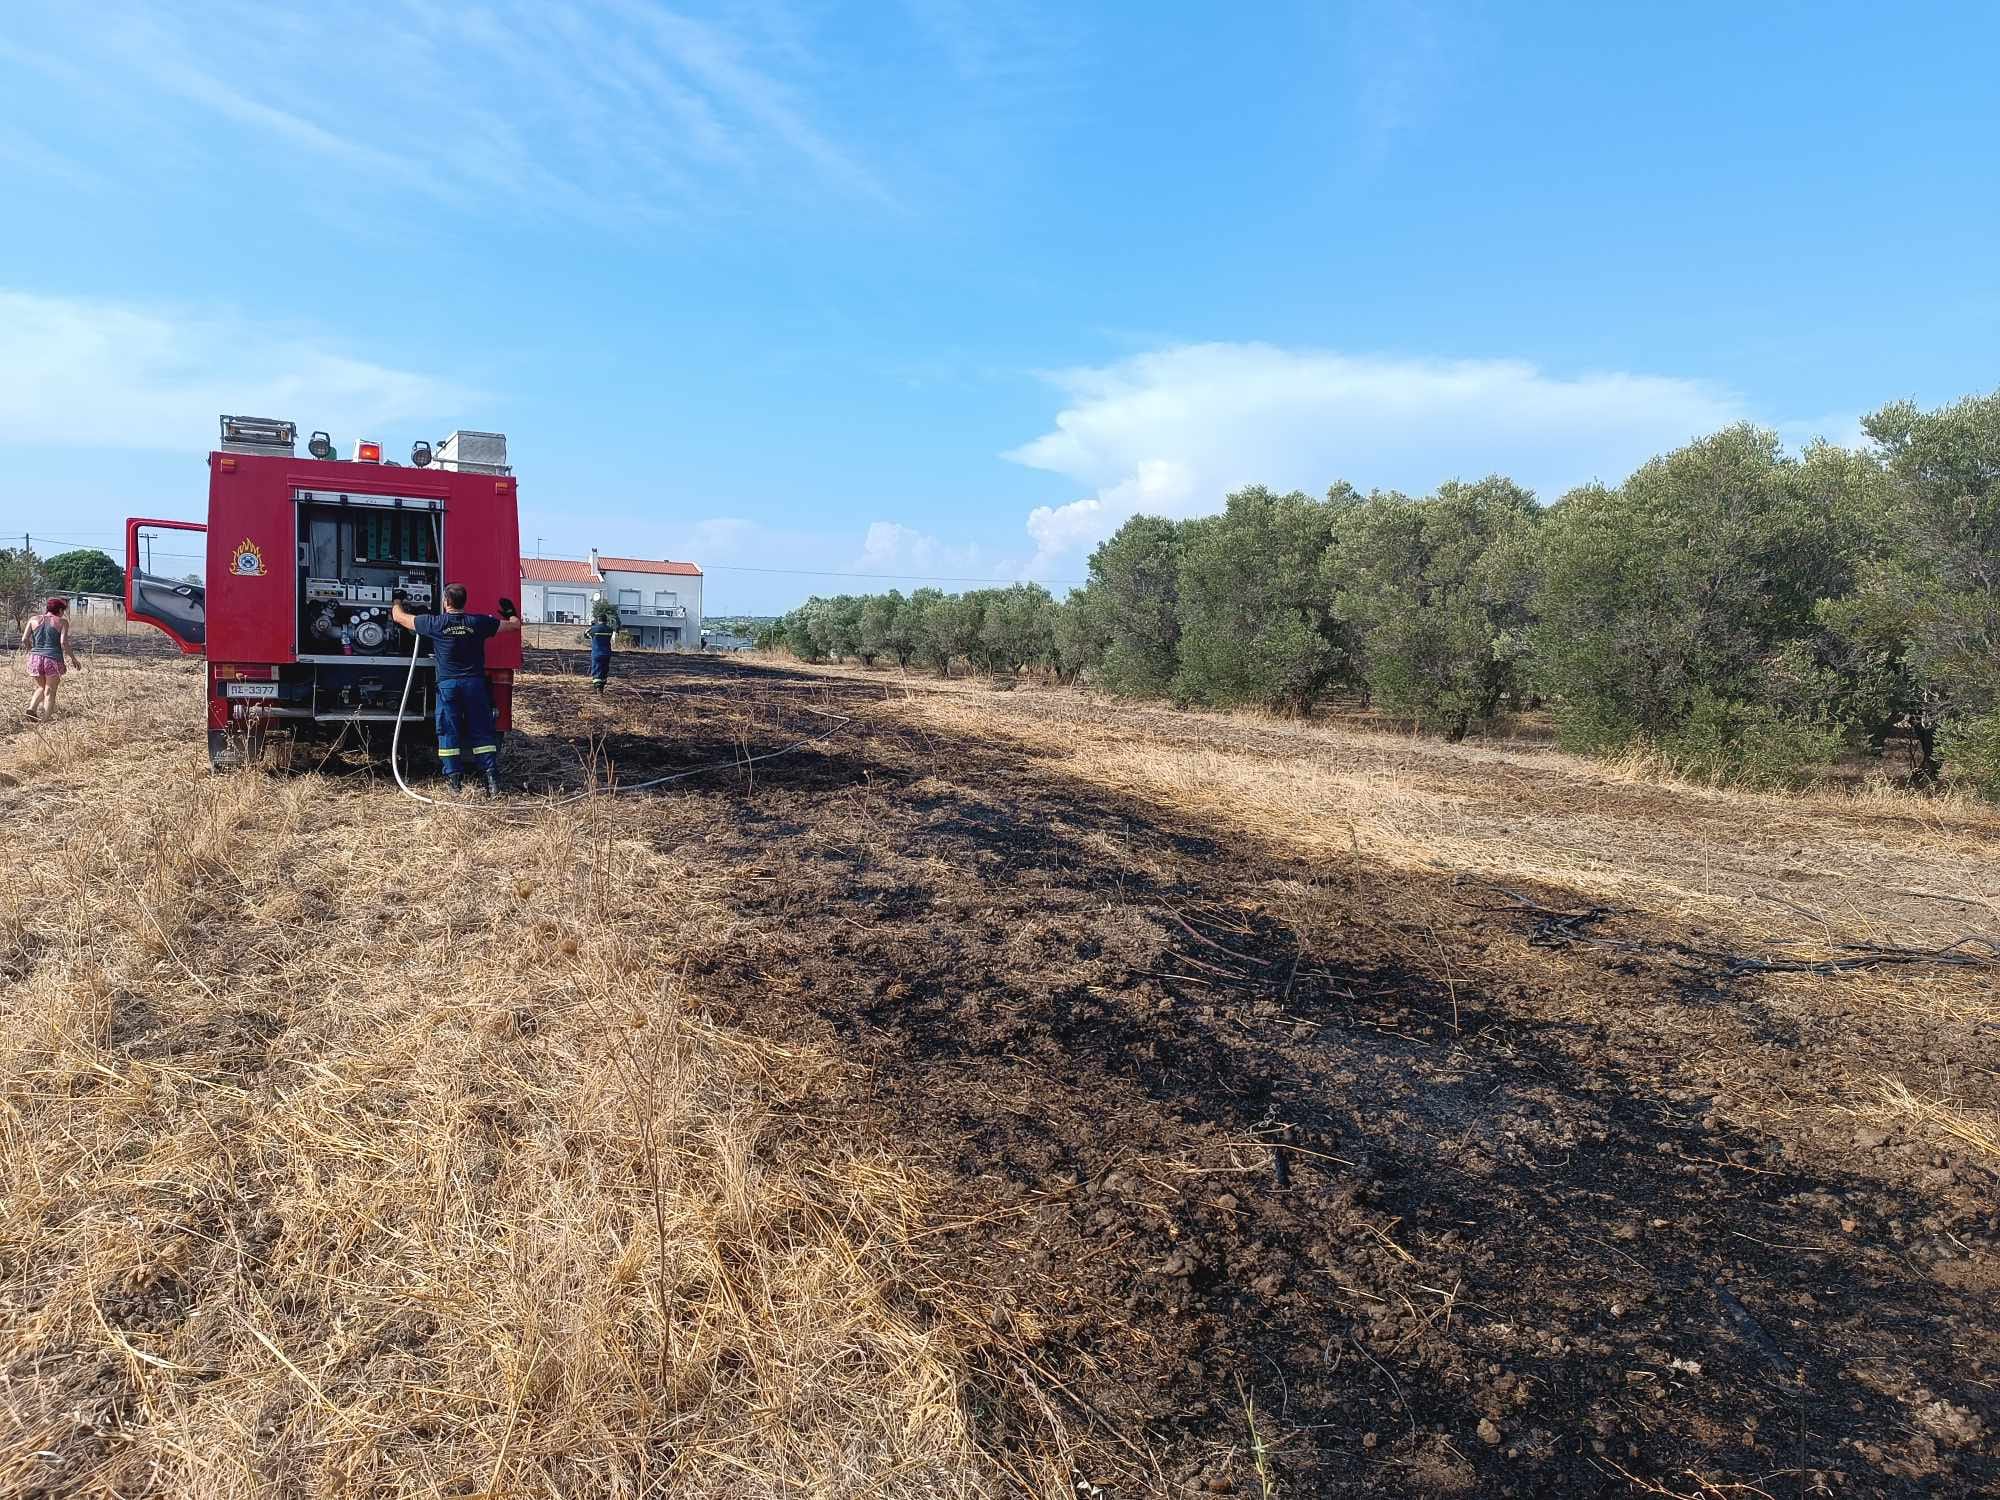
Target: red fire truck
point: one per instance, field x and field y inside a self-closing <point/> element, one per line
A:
<point x="305" y="557"/>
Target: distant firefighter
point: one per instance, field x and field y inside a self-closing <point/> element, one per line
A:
<point x="600" y="633"/>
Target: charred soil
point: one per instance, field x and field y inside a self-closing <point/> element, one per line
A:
<point x="1308" y="1175"/>
<point x="945" y="1092"/>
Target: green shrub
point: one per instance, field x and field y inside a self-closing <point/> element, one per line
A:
<point x="1735" y="743"/>
<point x="1970" y="747"/>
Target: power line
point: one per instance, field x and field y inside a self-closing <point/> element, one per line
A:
<point x="70" y="541"/>
<point x="892" y="577"/>
<point x="1066" y="583"/>
<point x="118" y="536"/>
<point x="883" y="577"/>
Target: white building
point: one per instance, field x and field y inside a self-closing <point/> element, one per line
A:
<point x="556" y="591"/>
<point x="658" y="601"/>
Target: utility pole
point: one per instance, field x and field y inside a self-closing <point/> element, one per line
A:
<point x="149" y="552"/>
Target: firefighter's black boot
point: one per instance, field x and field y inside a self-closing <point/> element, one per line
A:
<point x="492" y="782"/>
<point x="455" y="785"/>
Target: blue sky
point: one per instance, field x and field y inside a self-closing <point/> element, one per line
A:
<point x="946" y="288"/>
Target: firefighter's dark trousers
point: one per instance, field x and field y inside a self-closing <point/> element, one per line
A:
<point x="465" y="725"/>
<point x="600" y="664"/>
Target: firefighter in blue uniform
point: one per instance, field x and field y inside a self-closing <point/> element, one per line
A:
<point x="599" y="635"/>
<point x="464" y="701"/>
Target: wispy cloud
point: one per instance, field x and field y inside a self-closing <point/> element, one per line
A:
<point x="1401" y="58"/>
<point x="108" y="375"/>
<point x="161" y="57"/>
<point x="615" y="110"/>
<point x="971" y="36"/>
<point x="1173" y="431"/>
<point x="21" y="150"/>
<point x="715" y="60"/>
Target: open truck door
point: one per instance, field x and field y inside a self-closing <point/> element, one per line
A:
<point x="174" y="605"/>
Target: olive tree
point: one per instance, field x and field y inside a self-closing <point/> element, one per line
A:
<point x="1077" y="634"/>
<point x="1258" y="617"/>
<point x="1438" y="592"/>
<point x="20" y="583"/>
<point x="1135" y="575"/>
<point x="1936" y="592"/>
<point x="1664" y="606"/>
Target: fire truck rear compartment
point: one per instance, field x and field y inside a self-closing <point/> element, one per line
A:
<point x="356" y="558"/>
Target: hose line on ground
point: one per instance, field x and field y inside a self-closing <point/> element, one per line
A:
<point x="403" y="706"/>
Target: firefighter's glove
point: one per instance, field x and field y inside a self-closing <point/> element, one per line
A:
<point x="507" y="610"/>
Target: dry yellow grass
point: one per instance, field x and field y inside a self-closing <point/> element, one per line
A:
<point x="1969" y="1126"/>
<point x="1874" y="867"/>
<point x="1789" y="877"/>
<point x="351" y="1149"/>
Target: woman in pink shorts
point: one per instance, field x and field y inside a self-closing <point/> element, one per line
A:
<point x="46" y="640"/>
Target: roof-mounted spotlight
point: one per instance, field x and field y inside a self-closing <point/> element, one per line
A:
<point x="420" y="454"/>
<point x="320" y="446"/>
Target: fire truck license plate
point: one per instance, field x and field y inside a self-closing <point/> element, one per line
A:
<point x="250" y="689"/>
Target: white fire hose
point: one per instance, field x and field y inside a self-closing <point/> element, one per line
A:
<point x="403" y="708"/>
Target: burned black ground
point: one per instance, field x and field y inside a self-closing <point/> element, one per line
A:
<point x="1352" y="1169"/>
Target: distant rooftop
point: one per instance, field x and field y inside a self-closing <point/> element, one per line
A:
<point x="556" y="570"/>
<point x="647" y="565"/>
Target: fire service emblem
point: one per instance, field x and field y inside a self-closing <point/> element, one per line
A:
<point x="248" y="560"/>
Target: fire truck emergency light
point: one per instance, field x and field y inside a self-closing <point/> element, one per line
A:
<point x="320" y="446"/>
<point x="420" y="454"/>
<point x="367" y="453"/>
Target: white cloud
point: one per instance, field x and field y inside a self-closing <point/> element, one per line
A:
<point x="891" y="545"/>
<point x="756" y="567"/>
<point x="918" y="556"/>
<point x="107" y="375"/>
<point x="1173" y="431"/>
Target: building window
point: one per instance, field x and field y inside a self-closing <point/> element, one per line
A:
<point x="664" y="600"/>
<point x="628" y="601"/>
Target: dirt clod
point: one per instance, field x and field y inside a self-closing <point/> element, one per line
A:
<point x="1950" y="1424"/>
